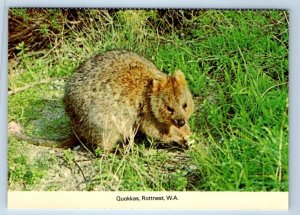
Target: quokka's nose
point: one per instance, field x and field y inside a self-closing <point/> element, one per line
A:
<point x="180" y="122"/>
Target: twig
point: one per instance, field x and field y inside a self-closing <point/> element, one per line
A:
<point x="286" y="18"/>
<point x="80" y="169"/>
<point x="44" y="81"/>
<point x="84" y="146"/>
<point x="68" y="165"/>
<point x="56" y="44"/>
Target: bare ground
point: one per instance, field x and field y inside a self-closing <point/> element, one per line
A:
<point x="78" y="170"/>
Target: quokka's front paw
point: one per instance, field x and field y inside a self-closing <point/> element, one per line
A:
<point x="181" y="135"/>
<point x="185" y="132"/>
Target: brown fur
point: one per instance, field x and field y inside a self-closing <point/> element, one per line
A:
<point x="115" y="93"/>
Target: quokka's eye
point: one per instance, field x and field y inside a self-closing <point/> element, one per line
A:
<point x="184" y="105"/>
<point x="171" y="110"/>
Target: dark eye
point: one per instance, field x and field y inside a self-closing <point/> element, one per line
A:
<point x="171" y="110"/>
<point x="184" y="106"/>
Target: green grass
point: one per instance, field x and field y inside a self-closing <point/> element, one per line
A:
<point x="236" y="64"/>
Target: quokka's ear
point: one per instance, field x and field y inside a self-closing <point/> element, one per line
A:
<point x="159" y="82"/>
<point x="179" y="77"/>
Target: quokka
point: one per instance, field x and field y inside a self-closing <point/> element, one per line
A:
<point x="116" y="93"/>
